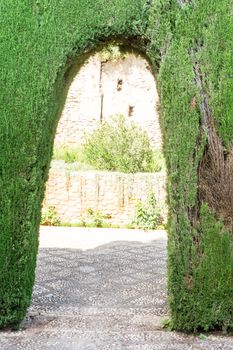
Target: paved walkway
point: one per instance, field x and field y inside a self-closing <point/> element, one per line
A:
<point x="101" y="289"/>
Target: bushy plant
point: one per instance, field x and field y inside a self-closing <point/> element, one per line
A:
<point x="94" y="218"/>
<point x="81" y="159"/>
<point x="112" y="53"/>
<point x="122" y="146"/>
<point x="49" y="217"/>
<point x="148" y="214"/>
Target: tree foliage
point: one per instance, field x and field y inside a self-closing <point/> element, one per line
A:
<point x="120" y="146"/>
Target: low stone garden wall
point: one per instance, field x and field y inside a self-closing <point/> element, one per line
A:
<point x="113" y="195"/>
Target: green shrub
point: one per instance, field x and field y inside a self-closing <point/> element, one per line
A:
<point x="120" y="146"/>
<point x="112" y="53"/>
<point x="148" y="214"/>
<point x="49" y="217"/>
<point x="94" y="218"/>
<point x="83" y="158"/>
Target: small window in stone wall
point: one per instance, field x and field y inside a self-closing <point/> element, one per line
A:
<point x="130" y="111"/>
<point x="119" y="84"/>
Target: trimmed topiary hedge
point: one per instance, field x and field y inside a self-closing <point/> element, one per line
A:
<point x="189" y="44"/>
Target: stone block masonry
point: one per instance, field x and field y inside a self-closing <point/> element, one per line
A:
<point x="102" y="89"/>
<point x="113" y="194"/>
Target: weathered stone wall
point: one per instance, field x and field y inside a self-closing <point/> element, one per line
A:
<point x="72" y="193"/>
<point x="100" y="90"/>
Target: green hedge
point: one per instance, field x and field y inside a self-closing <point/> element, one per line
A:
<point x="43" y="43"/>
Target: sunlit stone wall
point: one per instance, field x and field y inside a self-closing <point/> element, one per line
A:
<point x="102" y="89"/>
<point x="113" y="194"/>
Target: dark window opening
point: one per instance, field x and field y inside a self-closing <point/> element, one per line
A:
<point x="119" y="84"/>
<point x="131" y="111"/>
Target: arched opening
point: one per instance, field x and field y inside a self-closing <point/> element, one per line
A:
<point x="99" y="278"/>
<point x="114" y="83"/>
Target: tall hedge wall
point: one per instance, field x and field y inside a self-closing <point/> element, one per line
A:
<point x="43" y="43"/>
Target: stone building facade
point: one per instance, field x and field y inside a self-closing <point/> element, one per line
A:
<point x="102" y="89"/>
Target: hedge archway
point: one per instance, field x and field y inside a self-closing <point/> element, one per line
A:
<point x="189" y="44"/>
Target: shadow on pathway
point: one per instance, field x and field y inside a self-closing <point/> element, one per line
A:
<point x="110" y="297"/>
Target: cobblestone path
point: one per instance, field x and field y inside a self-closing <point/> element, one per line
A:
<point x="112" y="297"/>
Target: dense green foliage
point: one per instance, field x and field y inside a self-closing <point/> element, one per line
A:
<point x="49" y="217"/>
<point x="120" y="146"/>
<point x="200" y="263"/>
<point x="115" y="146"/>
<point x="43" y="44"/>
<point x="148" y="214"/>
